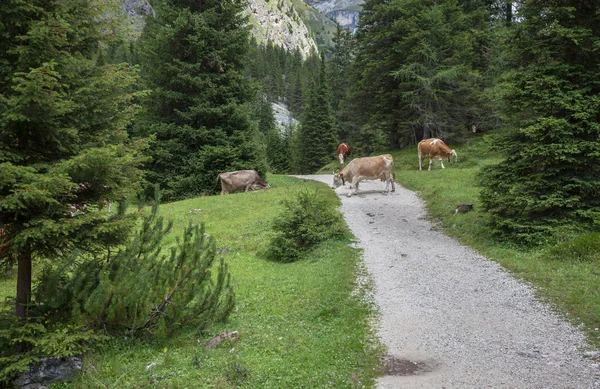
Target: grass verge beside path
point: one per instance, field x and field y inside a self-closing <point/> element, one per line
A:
<point x="301" y="325"/>
<point x="572" y="286"/>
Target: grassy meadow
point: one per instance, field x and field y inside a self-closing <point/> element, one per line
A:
<point x="300" y="325"/>
<point x="306" y="324"/>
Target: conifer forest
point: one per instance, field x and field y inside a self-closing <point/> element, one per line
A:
<point x="93" y="116"/>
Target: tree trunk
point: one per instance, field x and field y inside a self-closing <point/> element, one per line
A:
<point x="23" y="282"/>
<point x="509" y="12"/>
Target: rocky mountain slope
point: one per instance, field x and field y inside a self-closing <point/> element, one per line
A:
<point x="288" y="23"/>
<point x="278" y="21"/>
<point x="344" y="12"/>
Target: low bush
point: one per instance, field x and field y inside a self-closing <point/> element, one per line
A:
<point x="307" y="220"/>
<point x="140" y="290"/>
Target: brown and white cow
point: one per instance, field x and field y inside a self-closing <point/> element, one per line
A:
<point x="241" y="179"/>
<point x="343" y="151"/>
<point x="380" y="167"/>
<point x="434" y="148"/>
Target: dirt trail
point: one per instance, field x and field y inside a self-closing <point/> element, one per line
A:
<point x="451" y="318"/>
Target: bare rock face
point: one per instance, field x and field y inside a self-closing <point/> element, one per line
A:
<point x="283" y="117"/>
<point x="136" y="10"/>
<point x="279" y="22"/>
<point x="344" y="12"/>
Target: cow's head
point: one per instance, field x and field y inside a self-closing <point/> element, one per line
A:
<point x="453" y="154"/>
<point x="338" y="180"/>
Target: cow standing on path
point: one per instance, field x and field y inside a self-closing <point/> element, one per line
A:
<point x="343" y="151"/>
<point x="241" y="179"/>
<point x="380" y="167"/>
<point x="434" y="148"/>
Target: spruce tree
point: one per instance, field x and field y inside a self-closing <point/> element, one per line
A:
<point x="193" y="57"/>
<point x="338" y="65"/>
<point x="63" y="144"/>
<point x="318" y="134"/>
<point x="277" y="149"/>
<point x="412" y="76"/>
<point x="436" y="42"/>
<point x="549" y="181"/>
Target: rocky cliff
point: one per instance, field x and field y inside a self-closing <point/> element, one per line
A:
<point x="280" y="21"/>
<point x="344" y="12"/>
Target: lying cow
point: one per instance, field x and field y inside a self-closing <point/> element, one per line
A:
<point x="241" y="179"/>
<point x="343" y="151"/>
<point x="434" y="148"/>
<point x="380" y="167"/>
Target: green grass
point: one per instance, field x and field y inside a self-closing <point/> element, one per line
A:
<point x="570" y="285"/>
<point x="8" y="287"/>
<point x="301" y="325"/>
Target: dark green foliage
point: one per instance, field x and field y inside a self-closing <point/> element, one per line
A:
<point x="338" y="64"/>
<point x="308" y="219"/>
<point x="23" y="343"/>
<point x="142" y="290"/>
<point x="584" y="248"/>
<point x="550" y="179"/>
<point x="62" y="132"/>
<point x="318" y="133"/>
<point x="413" y="75"/>
<point x="276" y="142"/>
<point x="192" y="57"/>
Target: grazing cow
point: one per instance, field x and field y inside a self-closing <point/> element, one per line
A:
<point x="367" y="168"/>
<point x="241" y="179"/>
<point x="434" y="148"/>
<point x="343" y="151"/>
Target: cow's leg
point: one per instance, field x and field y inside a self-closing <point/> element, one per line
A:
<point x="430" y="162"/>
<point x="420" y="160"/>
<point x="341" y="157"/>
<point x="392" y="182"/>
<point x="355" y="185"/>
<point x="442" y="162"/>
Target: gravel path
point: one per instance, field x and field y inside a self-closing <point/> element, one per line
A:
<point x="451" y="318"/>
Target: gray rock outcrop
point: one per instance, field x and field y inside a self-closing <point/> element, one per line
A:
<point x="49" y="371"/>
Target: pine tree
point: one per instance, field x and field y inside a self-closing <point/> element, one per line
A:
<point x="434" y="73"/>
<point x="143" y="289"/>
<point x="413" y="76"/>
<point x="339" y="62"/>
<point x="277" y="149"/>
<point x="63" y="143"/>
<point x="318" y="135"/>
<point x="550" y="179"/>
<point x="193" y="57"/>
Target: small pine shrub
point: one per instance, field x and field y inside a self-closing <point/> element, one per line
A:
<point x="584" y="248"/>
<point x="142" y="291"/>
<point x="307" y="220"/>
